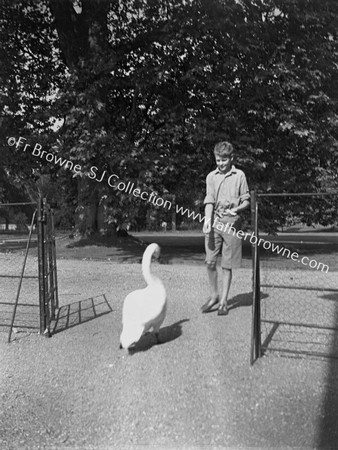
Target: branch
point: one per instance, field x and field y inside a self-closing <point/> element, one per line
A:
<point x="132" y="113"/>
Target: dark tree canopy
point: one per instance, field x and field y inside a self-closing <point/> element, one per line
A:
<point x="145" y="88"/>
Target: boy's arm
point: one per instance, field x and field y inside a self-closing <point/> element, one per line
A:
<point x="244" y="196"/>
<point x="209" y="208"/>
<point x="241" y="207"/>
<point x="209" y="204"/>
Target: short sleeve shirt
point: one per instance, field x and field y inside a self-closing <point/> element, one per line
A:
<point x="226" y="190"/>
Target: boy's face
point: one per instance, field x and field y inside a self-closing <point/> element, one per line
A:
<point x="224" y="163"/>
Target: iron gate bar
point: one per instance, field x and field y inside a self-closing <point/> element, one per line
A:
<point x="42" y="268"/>
<point x="17" y="204"/>
<point x="52" y="263"/>
<point x="46" y="265"/>
<point x="253" y="201"/>
<point x="16" y="276"/>
<point x="294" y="324"/>
<point x="51" y="273"/>
<point x="20" y="282"/>
<point x="303" y="194"/>
<point x="258" y="342"/>
<point x="256" y="332"/>
<point x="303" y="288"/>
<point x="48" y="292"/>
<point x="56" y="299"/>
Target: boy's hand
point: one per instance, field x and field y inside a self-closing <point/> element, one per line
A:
<point x="207" y="226"/>
<point x="231" y="212"/>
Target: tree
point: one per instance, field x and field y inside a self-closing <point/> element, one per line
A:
<point x="144" y="89"/>
<point x="30" y="74"/>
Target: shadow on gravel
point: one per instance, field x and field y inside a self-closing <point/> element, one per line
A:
<point x="243" y="300"/>
<point x="240" y="300"/>
<point x="80" y="312"/>
<point x="26" y="317"/>
<point x="167" y="334"/>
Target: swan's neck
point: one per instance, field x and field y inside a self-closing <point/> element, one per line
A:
<point x="146" y="262"/>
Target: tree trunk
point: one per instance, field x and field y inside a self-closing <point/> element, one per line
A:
<point x="83" y="39"/>
<point x="86" y="210"/>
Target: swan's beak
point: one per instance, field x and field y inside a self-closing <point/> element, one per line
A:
<point x="157" y="253"/>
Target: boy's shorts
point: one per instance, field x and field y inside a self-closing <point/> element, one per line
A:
<point x="231" y="247"/>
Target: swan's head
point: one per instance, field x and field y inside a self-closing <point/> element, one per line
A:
<point x="130" y="336"/>
<point x="157" y="251"/>
<point x="154" y="250"/>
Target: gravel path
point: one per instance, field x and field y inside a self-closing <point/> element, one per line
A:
<point x="77" y="390"/>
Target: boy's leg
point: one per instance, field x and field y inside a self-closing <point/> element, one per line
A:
<point x="213" y="243"/>
<point x="213" y="283"/>
<point x="231" y="258"/>
<point x="227" y="277"/>
<point x="213" y="280"/>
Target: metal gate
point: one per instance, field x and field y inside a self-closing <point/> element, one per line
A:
<point x="28" y="272"/>
<point x="48" y="287"/>
<point x="295" y="282"/>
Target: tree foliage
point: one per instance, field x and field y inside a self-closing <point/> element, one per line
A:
<point x="145" y="88"/>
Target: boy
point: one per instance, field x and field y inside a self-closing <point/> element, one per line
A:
<point x="227" y="195"/>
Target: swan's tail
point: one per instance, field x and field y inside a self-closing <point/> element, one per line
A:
<point x="151" y="250"/>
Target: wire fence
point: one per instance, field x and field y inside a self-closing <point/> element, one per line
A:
<point x="19" y="277"/>
<point x="28" y="276"/>
<point x="295" y="308"/>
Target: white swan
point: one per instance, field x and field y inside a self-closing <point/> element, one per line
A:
<point x="144" y="309"/>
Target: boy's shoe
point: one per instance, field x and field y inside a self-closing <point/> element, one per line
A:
<point x="209" y="304"/>
<point x="223" y="310"/>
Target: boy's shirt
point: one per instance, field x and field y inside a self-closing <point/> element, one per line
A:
<point x="226" y="191"/>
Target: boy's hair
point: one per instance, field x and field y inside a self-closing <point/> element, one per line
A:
<point x="224" y="148"/>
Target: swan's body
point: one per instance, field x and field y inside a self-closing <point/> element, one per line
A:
<point x="144" y="309"/>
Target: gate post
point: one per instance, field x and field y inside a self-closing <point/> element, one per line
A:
<point x="51" y="272"/>
<point x="42" y="257"/>
<point x="256" y="315"/>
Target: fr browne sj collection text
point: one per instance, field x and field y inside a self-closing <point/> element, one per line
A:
<point x="112" y="179"/>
